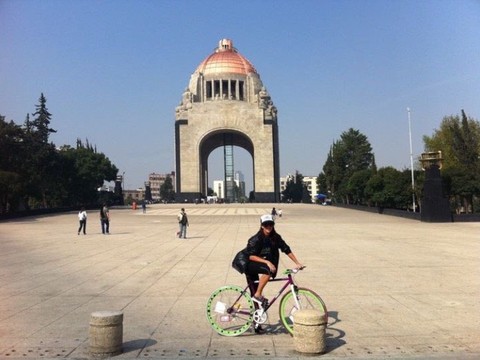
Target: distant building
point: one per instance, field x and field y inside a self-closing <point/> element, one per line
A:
<point x="106" y="187"/>
<point x="309" y="181"/>
<point x="135" y="195"/>
<point x="219" y="186"/>
<point x="156" y="181"/>
<point x="283" y="182"/>
<point x="240" y="181"/>
<point x="312" y="187"/>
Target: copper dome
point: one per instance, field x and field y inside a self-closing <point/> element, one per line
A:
<point x="224" y="60"/>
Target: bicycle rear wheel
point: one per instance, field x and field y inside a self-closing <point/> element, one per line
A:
<point x="230" y="310"/>
<point x="307" y="299"/>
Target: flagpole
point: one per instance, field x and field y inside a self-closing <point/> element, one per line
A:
<point x="411" y="160"/>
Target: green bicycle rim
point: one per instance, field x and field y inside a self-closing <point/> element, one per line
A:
<point x="314" y="302"/>
<point x="212" y="315"/>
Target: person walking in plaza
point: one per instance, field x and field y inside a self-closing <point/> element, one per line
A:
<point x="274" y="213"/>
<point x="259" y="260"/>
<point x="182" y="223"/>
<point x="105" y="219"/>
<point x="82" y="218"/>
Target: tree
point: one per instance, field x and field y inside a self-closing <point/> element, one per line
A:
<point x="85" y="170"/>
<point x="348" y="155"/>
<point x="357" y="184"/>
<point x="41" y="123"/>
<point x="40" y="162"/>
<point x="459" y="141"/>
<point x="11" y="139"/>
<point x="166" y="190"/>
<point x="294" y="189"/>
<point x="33" y="173"/>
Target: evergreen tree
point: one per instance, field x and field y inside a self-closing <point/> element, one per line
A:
<point x="166" y="190"/>
<point x="459" y="141"/>
<point x="294" y="189"/>
<point x="350" y="154"/>
<point x="41" y="123"/>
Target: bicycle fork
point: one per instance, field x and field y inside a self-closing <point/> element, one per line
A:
<point x="294" y="290"/>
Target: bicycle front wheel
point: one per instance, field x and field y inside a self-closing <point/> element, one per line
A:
<point x="230" y="310"/>
<point x="307" y="299"/>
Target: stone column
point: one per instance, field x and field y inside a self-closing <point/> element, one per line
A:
<point x="106" y="333"/>
<point x="309" y="331"/>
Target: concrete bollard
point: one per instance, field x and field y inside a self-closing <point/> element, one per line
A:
<point x="309" y="331"/>
<point x="106" y="333"/>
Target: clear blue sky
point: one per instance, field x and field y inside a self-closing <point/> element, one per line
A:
<point x="113" y="71"/>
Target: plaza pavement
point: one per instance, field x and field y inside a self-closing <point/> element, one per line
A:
<point x="395" y="288"/>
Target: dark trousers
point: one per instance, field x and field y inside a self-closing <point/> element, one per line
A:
<point x="83" y="225"/>
<point x="252" y="271"/>
<point x="105" y="225"/>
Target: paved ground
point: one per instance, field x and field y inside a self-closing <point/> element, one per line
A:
<point x="395" y="288"/>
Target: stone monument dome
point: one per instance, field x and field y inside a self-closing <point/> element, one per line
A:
<point x="225" y="75"/>
<point x="226" y="105"/>
<point x="225" y="60"/>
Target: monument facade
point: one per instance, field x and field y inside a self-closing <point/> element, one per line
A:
<point x="226" y="104"/>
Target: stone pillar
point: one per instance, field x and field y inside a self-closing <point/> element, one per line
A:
<point x="435" y="206"/>
<point x="309" y="331"/>
<point x="106" y="333"/>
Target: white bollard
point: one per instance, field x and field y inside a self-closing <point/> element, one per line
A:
<point x="106" y="333"/>
<point x="309" y="331"/>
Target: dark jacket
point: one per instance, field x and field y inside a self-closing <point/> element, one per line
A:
<point x="266" y="248"/>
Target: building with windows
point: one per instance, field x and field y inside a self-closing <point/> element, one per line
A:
<point x="130" y="196"/>
<point x="309" y="181"/>
<point x="156" y="181"/>
<point x="312" y="187"/>
<point x="219" y="188"/>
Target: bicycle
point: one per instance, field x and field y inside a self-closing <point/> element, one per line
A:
<point x="231" y="310"/>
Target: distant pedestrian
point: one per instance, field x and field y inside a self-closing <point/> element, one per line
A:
<point x="105" y="219"/>
<point x="279" y="212"/>
<point x="144" y="206"/>
<point x="274" y="213"/>
<point x="182" y="223"/>
<point x="82" y="218"/>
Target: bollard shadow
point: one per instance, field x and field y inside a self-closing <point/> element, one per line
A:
<point x="334" y="337"/>
<point x="139" y="344"/>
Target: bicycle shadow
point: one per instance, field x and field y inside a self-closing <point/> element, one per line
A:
<point x="334" y="337"/>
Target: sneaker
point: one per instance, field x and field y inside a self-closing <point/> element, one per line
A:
<point x="259" y="329"/>
<point x="262" y="301"/>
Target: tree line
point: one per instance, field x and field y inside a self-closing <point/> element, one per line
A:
<point x="350" y="175"/>
<point x="34" y="173"/>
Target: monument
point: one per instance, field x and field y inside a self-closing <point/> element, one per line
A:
<point x="226" y="105"/>
<point x="435" y="207"/>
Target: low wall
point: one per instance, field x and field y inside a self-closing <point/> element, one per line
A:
<point x="407" y="214"/>
<point x="384" y="211"/>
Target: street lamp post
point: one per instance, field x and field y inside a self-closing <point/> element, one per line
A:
<point x="411" y="160"/>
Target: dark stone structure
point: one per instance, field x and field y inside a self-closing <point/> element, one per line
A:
<point x="435" y="206"/>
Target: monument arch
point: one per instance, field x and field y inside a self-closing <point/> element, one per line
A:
<point x="226" y="105"/>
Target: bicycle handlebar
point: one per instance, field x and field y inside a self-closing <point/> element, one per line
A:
<point x="293" y="271"/>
